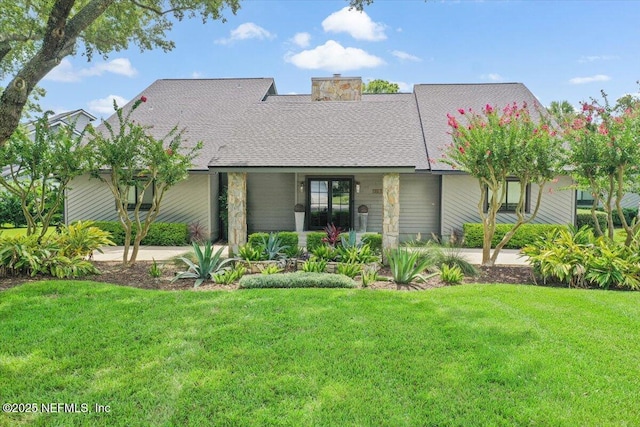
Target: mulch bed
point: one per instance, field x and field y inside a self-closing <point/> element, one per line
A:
<point x="138" y="277"/>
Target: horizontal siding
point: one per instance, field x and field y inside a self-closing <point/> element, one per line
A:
<point x="419" y="205"/>
<point x="214" y="217"/>
<point x="270" y="201"/>
<point x="461" y="193"/>
<point x="187" y="202"/>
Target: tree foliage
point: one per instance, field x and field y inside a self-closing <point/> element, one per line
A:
<point x="133" y="163"/>
<point x="496" y="145"/>
<point x="41" y="168"/>
<point x="562" y="111"/>
<point x="36" y="35"/>
<point x="605" y="155"/>
<point x="380" y="86"/>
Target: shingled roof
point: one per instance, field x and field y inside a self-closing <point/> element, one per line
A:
<point x="435" y="101"/>
<point x="293" y="131"/>
<point x="243" y="123"/>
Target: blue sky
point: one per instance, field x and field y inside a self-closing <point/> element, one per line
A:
<point x="559" y="49"/>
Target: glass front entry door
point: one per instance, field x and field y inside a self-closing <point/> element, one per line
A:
<point x="330" y="201"/>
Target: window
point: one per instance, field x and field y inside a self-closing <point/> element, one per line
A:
<point x="147" y="198"/>
<point x="511" y="197"/>
<point x="584" y="198"/>
<point x="329" y="200"/>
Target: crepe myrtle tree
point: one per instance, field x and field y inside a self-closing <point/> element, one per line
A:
<point x="495" y="145"/>
<point x="138" y="169"/>
<point x="39" y="169"/>
<point x="604" y="157"/>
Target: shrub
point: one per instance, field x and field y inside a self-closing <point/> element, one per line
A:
<point x="271" y="269"/>
<point x="451" y="275"/>
<point x="82" y="238"/>
<point x="314" y="239"/>
<point x="577" y="258"/>
<point x="629" y="214"/>
<point x="349" y="270"/>
<point x="368" y="277"/>
<point x="314" y="266"/>
<point x="160" y="233"/>
<point x="449" y="255"/>
<point x="155" y="270"/>
<point x="525" y="235"/>
<point x="332" y="234"/>
<point x="357" y="255"/>
<point x="407" y="266"/>
<point x="296" y="280"/>
<point x="11" y="210"/>
<point x="249" y="253"/>
<point x="584" y="217"/>
<point x="374" y="240"/>
<point x="227" y="277"/>
<point x="325" y="253"/>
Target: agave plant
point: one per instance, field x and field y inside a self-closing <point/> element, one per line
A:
<point x="350" y="241"/>
<point x="408" y="266"/>
<point x="207" y="264"/>
<point x="273" y="247"/>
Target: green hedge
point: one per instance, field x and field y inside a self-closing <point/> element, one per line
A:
<point x="629" y="214"/>
<point x="160" y="233"/>
<point x="374" y="240"/>
<point x="525" y="235"/>
<point x="584" y="217"/>
<point x="296" y="280"/>
<point x="287" y="238"/>
<point x="314" y="239"/>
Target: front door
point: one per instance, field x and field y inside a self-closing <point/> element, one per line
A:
<point x="329" y="201"/>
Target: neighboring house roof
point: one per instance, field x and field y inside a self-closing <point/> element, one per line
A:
<point x="207" y="109"/>
<point x="243" y="123"/>
<point x="435" y="101"/>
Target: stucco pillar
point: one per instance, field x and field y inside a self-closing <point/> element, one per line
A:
<point x="390" y="211"/>
<point x="237" y="205"/>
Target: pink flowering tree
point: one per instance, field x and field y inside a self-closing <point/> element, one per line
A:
<point x="496" y="145"/>
<point x="138" y="169"/>
<point x="604" y="157"/>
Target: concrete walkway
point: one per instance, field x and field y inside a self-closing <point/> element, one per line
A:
<point x="163" y="253"/>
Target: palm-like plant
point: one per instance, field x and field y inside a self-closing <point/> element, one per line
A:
<point x="207" y="264"/>
<point x="408" y="266"/>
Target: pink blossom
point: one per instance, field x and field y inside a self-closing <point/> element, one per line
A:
<point x="461" y="150"/>
<point x="452" y="121"/>
<point x="461" y="111"/>
<point x="143" y="98"/>
<point x="488" y="109"/>
<point x="602" y="129"/>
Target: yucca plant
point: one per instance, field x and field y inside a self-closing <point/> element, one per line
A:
<point x="207" y="264"/>
<point x="408" y="266"/>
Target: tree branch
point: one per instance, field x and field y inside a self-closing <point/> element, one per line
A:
<point x="158" y="11"/>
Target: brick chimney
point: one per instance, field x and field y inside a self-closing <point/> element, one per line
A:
<point x="336" y="88"/>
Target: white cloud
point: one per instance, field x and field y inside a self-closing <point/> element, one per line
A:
<point x="494" y="77"/>
<point x="105" y="105"/>
<point x="65" y="71"/>
<point x="404" y="56"/>
<point x="332" y="56"/>
<point x="404" y="87"/>
<point x="197" y="75"/>
<point x="594" y="58"/>
<point x="246" y="31"/>
<point x="301" y="39"/>
<point x="590" y="79"/>
<point x="358" y="24"/>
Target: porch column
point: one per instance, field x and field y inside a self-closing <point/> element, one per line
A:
<point x="390" y="211"/>
<point x="237" y="205"/>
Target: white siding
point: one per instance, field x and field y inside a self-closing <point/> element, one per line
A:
<point x="187" y="202"/>
<point x="270" y="202"/>
<point x="461" y="193"/>
<point x="419" y="205"/>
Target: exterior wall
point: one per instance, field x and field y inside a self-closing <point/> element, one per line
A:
<point x="187" y="202"/>
<point x="419" y="205"/>
<point x="214" y="216"/>
<point x="630" y="200"/>
<point x="271" y="197"/>
<point x="270" y="201"/>
<point x="461" y="193"/>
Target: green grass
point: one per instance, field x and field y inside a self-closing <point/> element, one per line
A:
<point x="470" y="355"/>
<point x="12" y="232"/>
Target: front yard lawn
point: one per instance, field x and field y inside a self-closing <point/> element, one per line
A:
<point x="466" y="355"/>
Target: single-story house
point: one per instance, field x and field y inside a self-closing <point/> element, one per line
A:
<point x="332" y="151"/>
